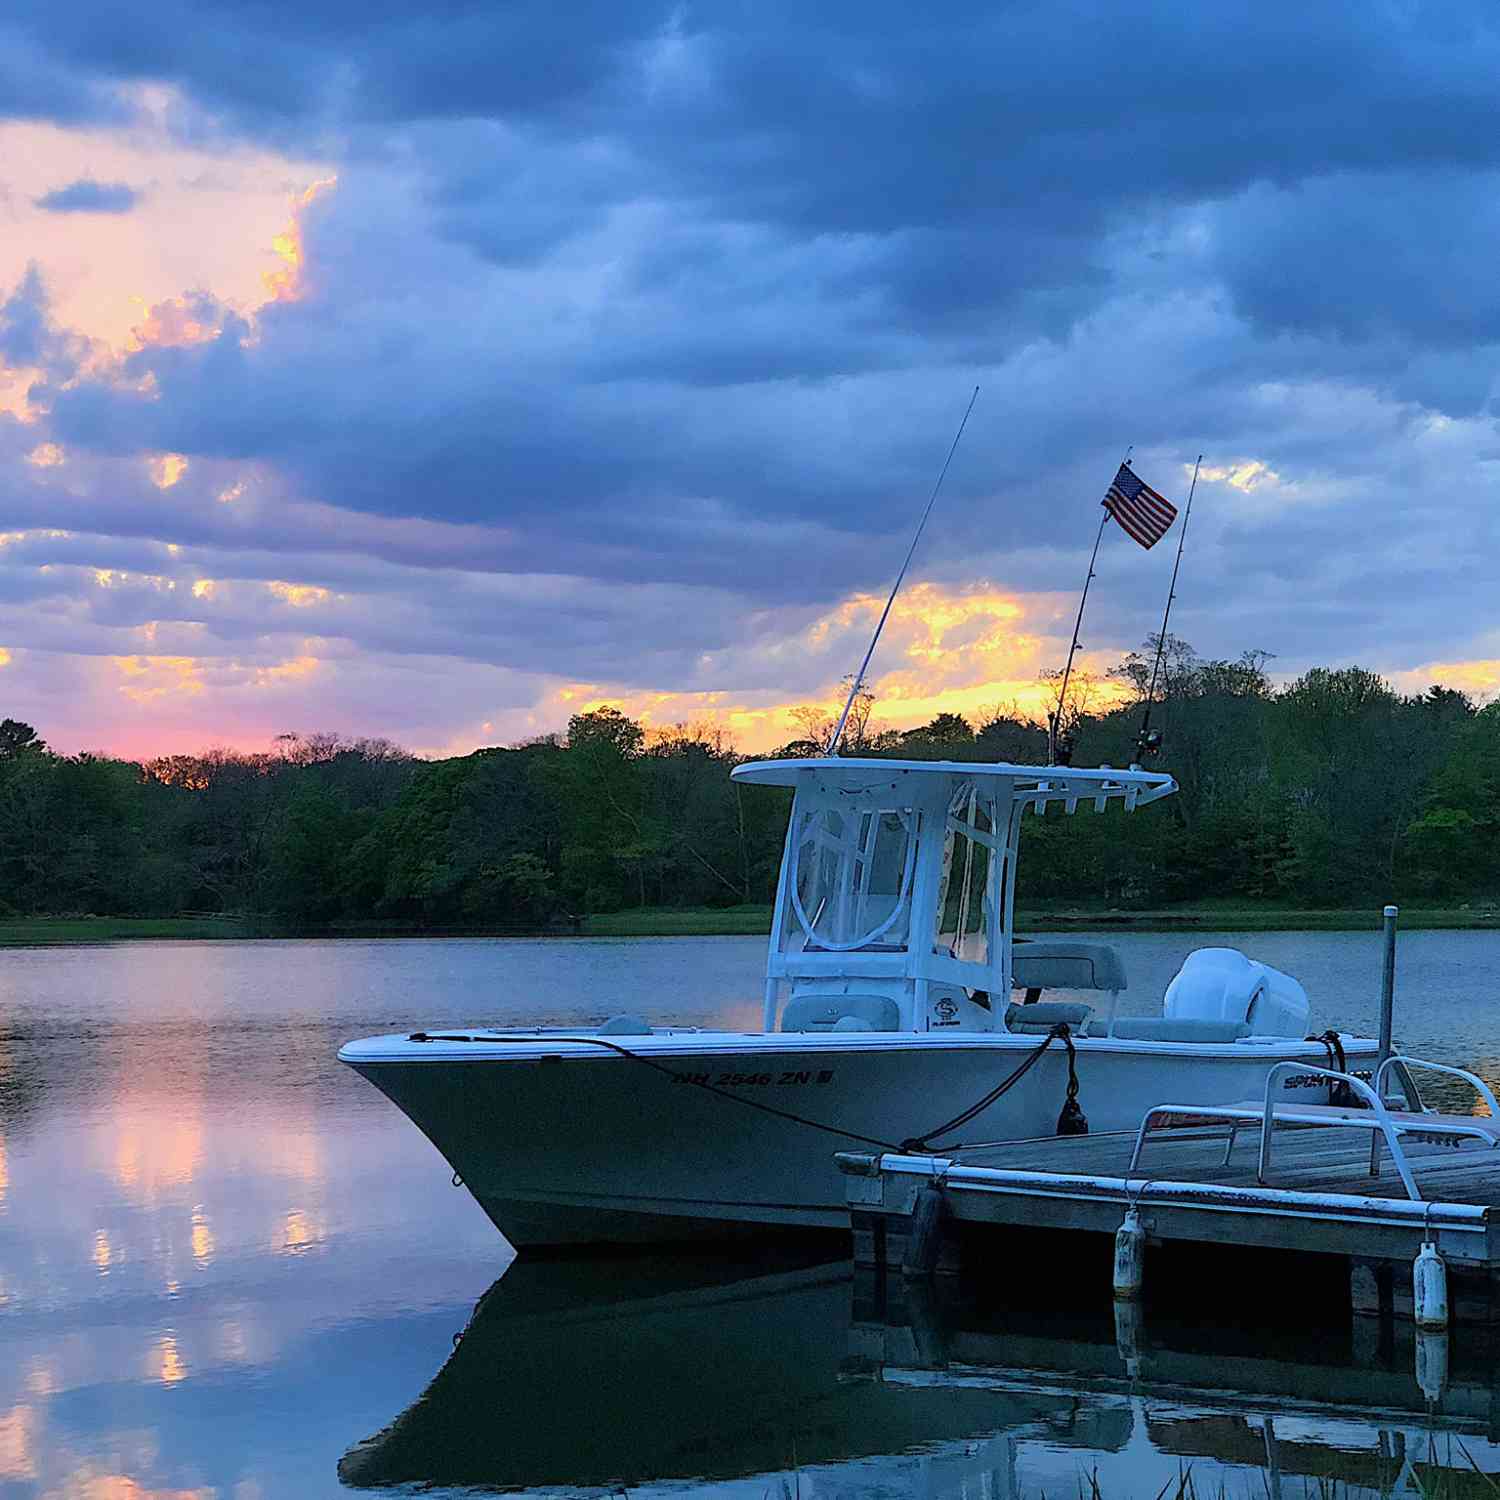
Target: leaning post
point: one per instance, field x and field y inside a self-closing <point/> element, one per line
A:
<point x="1387" y="1012"/>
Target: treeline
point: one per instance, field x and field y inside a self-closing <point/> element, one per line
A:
<point x="1334" y="790"/>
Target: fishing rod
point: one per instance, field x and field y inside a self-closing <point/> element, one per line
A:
<point x="1054" y="722"/>
<point x="859" y="677"/>
<point x="1149" y="742"/>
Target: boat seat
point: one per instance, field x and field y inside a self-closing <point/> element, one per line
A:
<point x="1177" y="1029"/>
<point x="824" y="1012"/>
<point x="625" y="1026"/>
<point x="1049" y="965"/>
<point x="1039" y="1018"/>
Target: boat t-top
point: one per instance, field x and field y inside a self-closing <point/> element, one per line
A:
<point x="900" y="1013"/>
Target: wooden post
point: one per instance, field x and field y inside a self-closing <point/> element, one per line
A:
<point x="1364" y="1289"/>
<point x="925" y="1245"/>
<point x="869" y="1239"/>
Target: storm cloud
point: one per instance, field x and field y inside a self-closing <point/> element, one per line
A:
<point x="630" y="338"/>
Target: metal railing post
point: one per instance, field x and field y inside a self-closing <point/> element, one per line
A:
<point x="1387" y="1013"/>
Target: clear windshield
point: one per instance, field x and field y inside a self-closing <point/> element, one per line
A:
<point x="963" y="913"/>
<point x="853" y="877"/>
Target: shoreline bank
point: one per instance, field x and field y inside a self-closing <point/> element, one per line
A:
<point x="740" y="921"/>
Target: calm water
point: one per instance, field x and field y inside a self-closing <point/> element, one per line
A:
<point x="229" y="1268"/>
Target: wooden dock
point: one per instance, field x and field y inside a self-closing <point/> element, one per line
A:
<point x="1320" y="1199"/>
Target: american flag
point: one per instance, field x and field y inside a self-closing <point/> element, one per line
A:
<point x="1145" y="515"/>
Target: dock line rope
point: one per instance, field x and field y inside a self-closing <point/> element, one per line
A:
<point x="919" y="1145"/>
<point x="913" y="1145"/>
<point x="1072" y="1120"/>
<point x="1339" y="1094"/>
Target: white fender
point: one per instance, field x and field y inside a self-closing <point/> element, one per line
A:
<point x="1429" y="1285"/>
<point x="1130" y="1256"/>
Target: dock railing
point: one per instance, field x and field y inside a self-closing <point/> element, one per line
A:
<point x="1374" y="1115"/>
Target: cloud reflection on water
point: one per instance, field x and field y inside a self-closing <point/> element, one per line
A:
<point x="224" y="1260"/>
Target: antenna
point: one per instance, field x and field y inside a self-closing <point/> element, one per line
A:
<point x="1147" y="744"/>
<point x="864" y="666"/>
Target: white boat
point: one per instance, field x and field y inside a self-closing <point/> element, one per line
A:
<point x="888" y="1021"/>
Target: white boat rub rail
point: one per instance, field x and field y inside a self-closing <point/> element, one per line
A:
<point x="520" y="1046"/>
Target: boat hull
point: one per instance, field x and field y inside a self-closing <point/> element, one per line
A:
<point x="571" y="1142"/>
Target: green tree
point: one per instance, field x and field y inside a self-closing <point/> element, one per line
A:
<point x="605" y="730"/>
<point x="948" y="736"/>
<point x="303" y="882"/>
<point x="611" y="841"/>
<point x="517" y="889"/>
<point x="18" y="739"/>
<point x="1453" y="846"/>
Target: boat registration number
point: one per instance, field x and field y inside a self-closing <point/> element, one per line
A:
<point x="791" y="1076"/>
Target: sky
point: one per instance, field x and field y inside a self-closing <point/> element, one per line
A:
<point x="435" y="372"/>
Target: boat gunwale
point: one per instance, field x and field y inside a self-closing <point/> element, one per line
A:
<point x="400" y="1049"/>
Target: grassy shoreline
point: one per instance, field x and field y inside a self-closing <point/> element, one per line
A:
<point x="45" y="931"/>
<point x="754" y="921"/>
<point x="1207" y="916"/>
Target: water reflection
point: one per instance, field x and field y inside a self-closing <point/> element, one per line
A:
<point x="803" y="1379"/>
<point x="660" y="1369"/>
<point x="224" y="1260"/>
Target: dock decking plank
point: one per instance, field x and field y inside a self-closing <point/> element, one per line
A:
<point x="1314" y="1159"/>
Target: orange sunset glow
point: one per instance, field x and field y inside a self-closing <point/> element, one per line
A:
<point x="975" y="651"/>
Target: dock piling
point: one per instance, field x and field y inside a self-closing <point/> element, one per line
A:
<point x="1387" y="1013"/>
<point x="924" y="1244"/>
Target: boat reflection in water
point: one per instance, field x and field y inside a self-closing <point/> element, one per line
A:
<point x="579" y="1375"/>
<point x="802" y="1379"/>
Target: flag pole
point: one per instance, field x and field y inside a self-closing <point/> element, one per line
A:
<point x="1141" y="747"/>
<point x="1054" y="722"/>
<point x="864" y="666"/>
